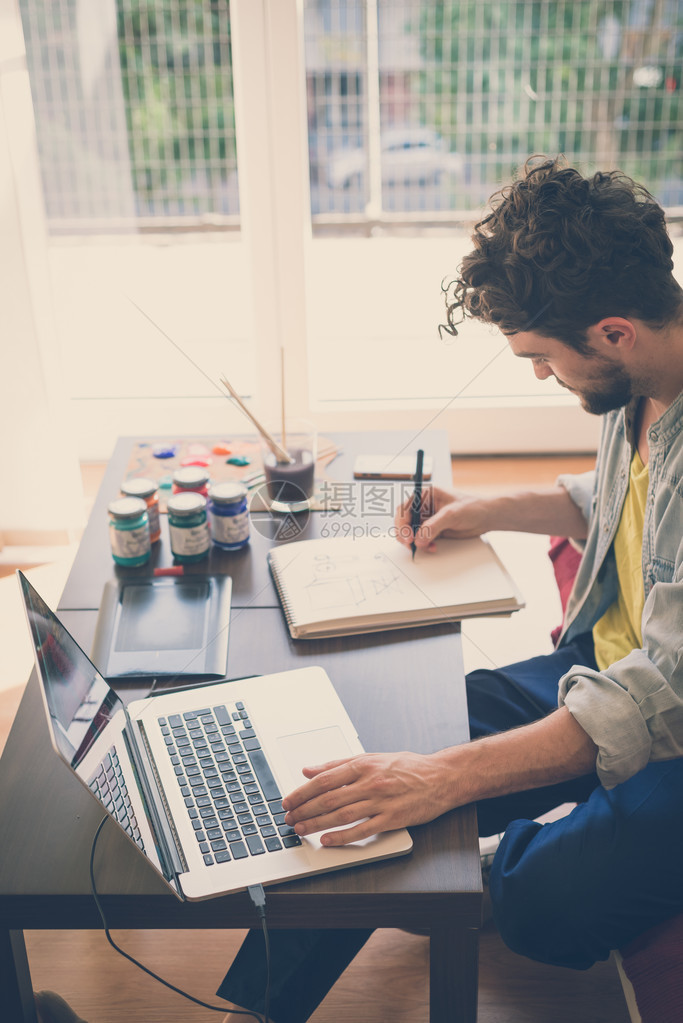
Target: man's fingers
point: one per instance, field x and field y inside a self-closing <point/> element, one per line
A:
<point x="312" y="772"/>
<point x="342" y="816"/>
<point x="323" y="778"/>
<point x="332" y="801"/>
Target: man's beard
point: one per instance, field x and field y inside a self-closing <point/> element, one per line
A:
<point x="615" y="392"/>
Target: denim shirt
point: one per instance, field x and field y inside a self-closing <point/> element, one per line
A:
<point x="633" y="711"/>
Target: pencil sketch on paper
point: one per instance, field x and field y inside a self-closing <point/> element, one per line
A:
<point x="352" y="580"/>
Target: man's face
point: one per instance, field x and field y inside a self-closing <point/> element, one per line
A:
<point x="600" y="383"/>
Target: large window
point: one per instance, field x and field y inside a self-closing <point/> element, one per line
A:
<point x="417" y="112"/>
<point x="224" y="181"/>
<point x="152" y="290"/>
<point x="134" y="113"/>
<point x="417" y="107"/>
<point x="424" y="107"/>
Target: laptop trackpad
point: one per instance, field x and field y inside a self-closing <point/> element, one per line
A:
<point x="310" y="749"/>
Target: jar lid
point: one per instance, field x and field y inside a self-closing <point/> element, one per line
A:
<point x="139" y="486"/>
<point x="186" y="504"/>
<point x="191" y="476"/>
<point x="227" y="493"/>
<point x="127" y="507"/>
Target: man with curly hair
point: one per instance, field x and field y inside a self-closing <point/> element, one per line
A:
<point x="577" y="273"/>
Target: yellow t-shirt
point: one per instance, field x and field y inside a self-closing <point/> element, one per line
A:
<point x="619" y="630"/>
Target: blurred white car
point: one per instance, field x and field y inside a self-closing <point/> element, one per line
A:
<point x="409" y="156"/>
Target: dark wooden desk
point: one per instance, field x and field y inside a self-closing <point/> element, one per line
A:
<point x="403" y="690"/>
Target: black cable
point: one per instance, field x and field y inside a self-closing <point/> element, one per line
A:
<point x="258" y="897"/>
<point x="206" y="1005"/>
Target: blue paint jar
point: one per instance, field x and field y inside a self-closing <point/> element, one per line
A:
<point x="188" y="527"/>
<point x="129" y="531"/>
<point x="228" y="516"/>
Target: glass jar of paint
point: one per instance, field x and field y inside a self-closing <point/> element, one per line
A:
<point x="228" y="516"/>
<point x="129" y="531"/>
<point x="142" y="487"/>
<point x="188" y="527"/>
<point x="192" y="478"/>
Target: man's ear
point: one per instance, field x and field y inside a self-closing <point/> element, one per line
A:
<point x="614" y="332"/>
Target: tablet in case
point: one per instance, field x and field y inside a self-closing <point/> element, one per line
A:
<point x="164" y="627"/>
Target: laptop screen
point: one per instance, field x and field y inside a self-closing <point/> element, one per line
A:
<point x="80" y="702"/>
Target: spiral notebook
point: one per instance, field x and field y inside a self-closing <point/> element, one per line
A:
<point x="345" y="586"/>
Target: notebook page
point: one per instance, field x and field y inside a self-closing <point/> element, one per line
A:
<point x="336" y="579"/>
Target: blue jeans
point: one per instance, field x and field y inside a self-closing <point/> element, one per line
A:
<point x="565" y="893"/>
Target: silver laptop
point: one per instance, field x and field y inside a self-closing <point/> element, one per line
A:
<point x="195" y="778"/>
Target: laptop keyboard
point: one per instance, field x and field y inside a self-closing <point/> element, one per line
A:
<point x="109" y="786"/>
<point x="231" y="796"/>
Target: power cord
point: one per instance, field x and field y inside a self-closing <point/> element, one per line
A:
<point x="257" y="896"/>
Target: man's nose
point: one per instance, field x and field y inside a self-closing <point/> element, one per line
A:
<point x="543" y="370"/>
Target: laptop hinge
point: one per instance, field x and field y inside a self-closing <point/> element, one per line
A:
<point x="169" y="848"/>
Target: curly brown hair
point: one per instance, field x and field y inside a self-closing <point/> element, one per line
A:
<point x="558" y="252"/>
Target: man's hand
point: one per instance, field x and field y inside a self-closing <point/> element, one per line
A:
<point x="368" y="794"/>
<point x="460" y="516"/>
<point x="443" y="514"/>
<point x="377" y="792"/>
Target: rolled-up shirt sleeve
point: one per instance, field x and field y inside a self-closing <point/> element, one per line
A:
<point x="580" y="488"/>
<point x="633" y="711"/>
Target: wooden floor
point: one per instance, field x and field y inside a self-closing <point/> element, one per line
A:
<point x="388" y="981"/>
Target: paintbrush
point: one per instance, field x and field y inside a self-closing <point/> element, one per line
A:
<point x="280" y="453"/>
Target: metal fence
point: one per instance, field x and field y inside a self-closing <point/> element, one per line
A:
<point x="423" y="107"/>
<point x="417" y="109"/>
<point x="134" y="113"/>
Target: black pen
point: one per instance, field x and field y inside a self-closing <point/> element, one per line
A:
<point x="416" y="507"/>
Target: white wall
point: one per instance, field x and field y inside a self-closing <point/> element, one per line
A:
<point x="41" y="483"/>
